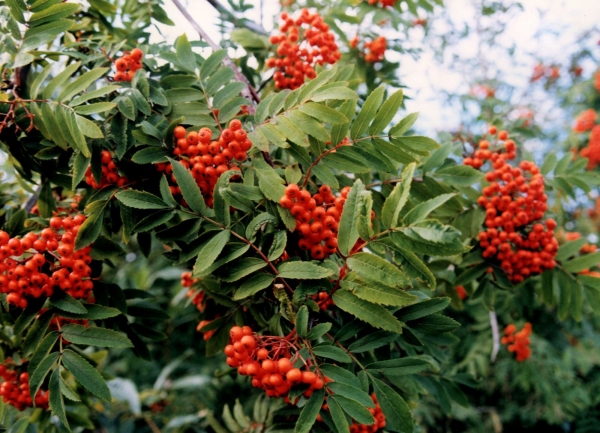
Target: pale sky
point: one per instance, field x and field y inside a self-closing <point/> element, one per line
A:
<point x="561" y="22"/>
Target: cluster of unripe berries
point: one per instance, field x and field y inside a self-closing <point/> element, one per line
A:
<point x="128" y="64"/>
<point x="33" y="266"/>
<point x="375" y="49"/>
<point x="518" y="342"/>
<point x="317" y="218"/>
<point x="207" y="159"/>
<point x="14" y="388"/>
<point x="377" y="413"/>
<point x="514" y="205"/>
<point x="302" y="43"/>
<point x="268" y="360"/>
<point x="110" y="173"/>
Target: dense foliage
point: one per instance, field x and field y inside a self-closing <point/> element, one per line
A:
<point x="197" y="242"/>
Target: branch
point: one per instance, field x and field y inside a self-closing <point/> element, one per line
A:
<point x="249" y="92"/>
<point x="237" y="22"/>
<point x="495" y="336"/>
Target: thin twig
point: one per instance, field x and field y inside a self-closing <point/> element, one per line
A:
<point x="495" y="336"/>
<point x="152" y="425"/>
<point x="249" y="92"/>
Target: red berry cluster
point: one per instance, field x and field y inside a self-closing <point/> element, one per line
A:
<point x="128" y="64"/>
<point x="518" y="341"/>
<point x="34" y="265"/>
<point x="14" y="389"/>
<point x="206" y="335"/>
<point x="585" y="121"/>
<point x="382" y="3"/>
<point x="375" y="49"/>
<point x="592" y="151"/>
<point x="207" y="159"/>
<point x="197" y="296"/>
<point x="110" y="173"/>
<point x="324" y="300"/>
<point x="552" y="73"/>
<point x="461" y="292"/>
<point x="270" y="363"/>
<point x="303" y="44"/>
<point x="514" y="204"/>
<point x="317" y="218"/>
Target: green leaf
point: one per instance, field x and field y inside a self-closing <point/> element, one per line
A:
<point x="211" y="64"/>
<point x="377" y="293"/>
<point x="98" y="93"/>
<point x="67" y="391"/>
<point x="59" y="79"/>
<point x="44" y="34"/>
<point x="569" y="249"/>
<point x="355" y="409"/>
<point x="85" y="374"/>
<point x="414" y="267"/>
<point x="373" y="341"/>
<point x="331" y="352"/>
<point x="17" y="7"/>
<point x="40" y="373"/>
<point x="402" y="366"/>
<point x="386" y="113"/>
<point x="422" y="309"/>
<point x="435" y="324"/>
<point x="352" y="393"/>
<point x="338" y="417"/>
<point x="257" y="222"/>
<point x="90" y="229"/>
<point x="80" y="165"/>
<point x="422" y="210"/>
<point x="404" y="125"/>
<point x="242" y="268"/>
<point x="303" y="271"/>
<point x="340" y="375"/>
<point x="53" y="13"/>
<point x="189" y="188"/>
<point x="433" y="239"/>
<point x="98" y="107"/>
<point x="397" y="414"/>
<point x="126" y="107"/>
<point x="367" y="112"/>
<point x="80" y="84"/>
<point x="318" y="331"/>
<point x="302" y="321"/>
<point x="253" y="285"/>
<point x="57" y="405"/>
<point x="211" y="250"/>
<point x="184" y="52"/>
<point x="140" y="200"/>
<point x="375" y="315"/>
<point x="94" y="336"/>
<point x="416" y="144"/>
<point x="308" y="125"/>
<point x="151" y="155"/>
<point x="278" y="245"/>
<point x="290" y="130"/>
<point x="326" y="93"/>
<point x="309" y="413"/>
<point x="348" y="231"/>
<point x="459" y="175"/>
<point x="270" y="183"/>
<point x="322" y="113"/>
<point x="397" y="199"/>
<point x="63" y="301"/>
<point x="41" y="351"/>
<point x="340" y="131"/>
<point x="578" y="264"/>
<point x="88" y="128"/>
<point x="437" y="157"/>
<point x="373" y="268"/>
